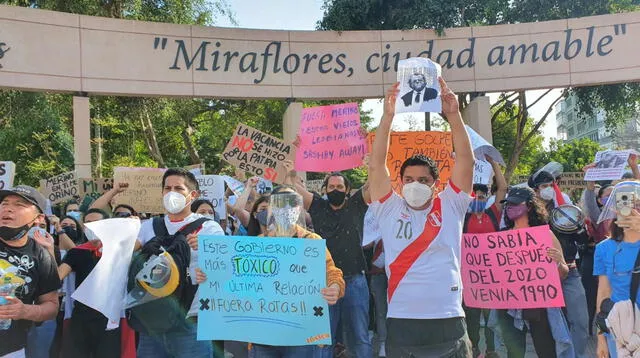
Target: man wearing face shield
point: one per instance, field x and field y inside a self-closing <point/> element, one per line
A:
<point x="340" y="221"/>
<point x="179" y="189"/>
<point x="546" y="188"/>
<point x="28" y="273"/>
<point x="422" y="232"/>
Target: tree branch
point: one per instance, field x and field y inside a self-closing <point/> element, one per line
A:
<point x="537" y="126"/>
<point x="539" y="98"/>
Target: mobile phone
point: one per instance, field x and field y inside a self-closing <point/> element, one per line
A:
<point x="625" y="203"/>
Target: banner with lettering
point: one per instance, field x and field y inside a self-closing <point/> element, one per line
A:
<point x="94" y="188"/>
<point x="256" y="152"/>
<point x="61" y="188"/>
<point x="212" y="189"/>
<point x="7" y="172"/>
<point x="263" y="290"/>
<point x="330" y="139"/>
<point x="610" y="165"/>
<point x="403" y="145"/>
<point x="144" y="193"/>
<point x="510" y="269"/>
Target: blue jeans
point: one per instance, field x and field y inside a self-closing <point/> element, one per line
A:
<point x="577" y="312"/>
<point x="260" y="351"/>
<point x="353" y="311"/>
<point x="40" y="339"/>
<point x="174" y="345"/>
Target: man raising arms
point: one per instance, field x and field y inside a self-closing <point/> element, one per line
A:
<point x="422" y="257"/>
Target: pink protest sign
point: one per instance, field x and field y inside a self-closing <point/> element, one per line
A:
<point x="330" y="139"/>
<point x="510" y="269"/>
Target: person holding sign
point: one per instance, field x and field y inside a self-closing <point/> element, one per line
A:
<point x="340" y="219"/>
<point x="479" y="221"/>
<point x="180" y="189"/>
<point x="422" y="232"/>
<point x="522" y="210"/>
<point x="286" y="219"/>
<point x="616" y="263"/>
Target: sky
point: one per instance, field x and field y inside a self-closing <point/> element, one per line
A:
<point x="304" y="15"/>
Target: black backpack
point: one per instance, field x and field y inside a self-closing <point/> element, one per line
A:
<point x="489" y="212"/>
<point x="167" y="314"/>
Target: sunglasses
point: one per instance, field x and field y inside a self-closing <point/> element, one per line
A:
<point x="122" y="215"/>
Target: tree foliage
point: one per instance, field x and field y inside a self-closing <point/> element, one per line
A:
<point x="573" y="155"/>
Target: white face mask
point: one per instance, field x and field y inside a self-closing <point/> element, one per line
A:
<point x="174" y="202"/>
<point x="547" y="193"/>
<point x="416" y="194"/>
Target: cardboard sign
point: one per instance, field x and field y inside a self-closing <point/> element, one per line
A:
<point x="263" y="290"/>
<point x="330" y="139"/>
<point x="482" y="172"/>
<point x="145" y="188"/>
<point x="419" y="86"/>
<point x="568" y="181"/>
<point x="510" y="269"/>
<point x="610" y="165"/>
<point x="94" y="188"/>
<point x="212" y="189"/>
<point x="314" y="186"/>
<point x="256" y="152"/>
<point x="61" y="188"/>
<point x="403" y="145"/>
<point x="7" y="172"/>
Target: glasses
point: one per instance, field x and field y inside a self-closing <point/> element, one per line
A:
<point x="622" y="273"/>
<point x="122" y="215"/>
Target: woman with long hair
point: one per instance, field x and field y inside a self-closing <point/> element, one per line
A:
<point x="522" y="210"/>
<point x="615" y="257"/>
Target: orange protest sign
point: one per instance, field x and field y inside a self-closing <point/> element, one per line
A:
<point x="403" y="145"/>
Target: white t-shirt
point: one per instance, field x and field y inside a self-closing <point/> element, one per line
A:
<point x="432" y="286"/>
<point x="208" y="228"/>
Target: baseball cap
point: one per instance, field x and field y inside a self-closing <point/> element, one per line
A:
<point x="27" y="193"/>
<point x="519" y="195"/>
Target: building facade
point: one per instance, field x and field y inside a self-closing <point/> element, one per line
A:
<point x="572" y="126"/>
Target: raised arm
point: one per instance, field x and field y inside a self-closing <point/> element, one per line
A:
<point x="296" y="182"/>
<point x="462" y="173"/>
<point x="633" y="163"/>
<point x="104" y="202"/>
<point x="379" y="179"/>
<point x="501" y="183"/>
<point x="239" y="207"/>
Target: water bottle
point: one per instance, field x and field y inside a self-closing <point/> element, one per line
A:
<point x="6" y="289"/>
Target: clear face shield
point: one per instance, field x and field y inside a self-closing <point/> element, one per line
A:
<point x="285" y="212"/>
<point x="553" y="168"/>
<point x="624" y="198"/>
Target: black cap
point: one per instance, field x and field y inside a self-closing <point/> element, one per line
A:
<point x="519" y="195"/>
<point x="27" y="193"/>
<point x="542" y="178"/>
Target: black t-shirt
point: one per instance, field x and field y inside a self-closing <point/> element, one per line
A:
<point x="39" y="270"/>
<point x="82" y="262"/>
<point x="570" y="242"/>
<point x="342" y="229"/>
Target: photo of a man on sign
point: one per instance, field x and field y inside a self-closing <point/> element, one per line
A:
<point x="419" y="86"/>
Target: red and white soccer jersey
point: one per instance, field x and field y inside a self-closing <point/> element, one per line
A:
<point x="422" y="254"/>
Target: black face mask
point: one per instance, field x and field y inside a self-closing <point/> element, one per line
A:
<point x="71" y="232"/>
<point x="14" y="233"/>
<point x="336" y="198"/>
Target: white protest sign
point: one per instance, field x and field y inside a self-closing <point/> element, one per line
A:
<point x="419" y="86"/>
<point x="105" y="287"/>
<point x="482" y="148"/>
<point x="212" y="189"/>
<point x="482" y="172"/>
<point x="610" y="165"/>
<point x="7" y="172"/>
<point x="236" y="186"/>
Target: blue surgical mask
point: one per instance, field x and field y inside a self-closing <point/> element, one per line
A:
<point x="74" y="214"/>
<point x="477" y="206"/>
